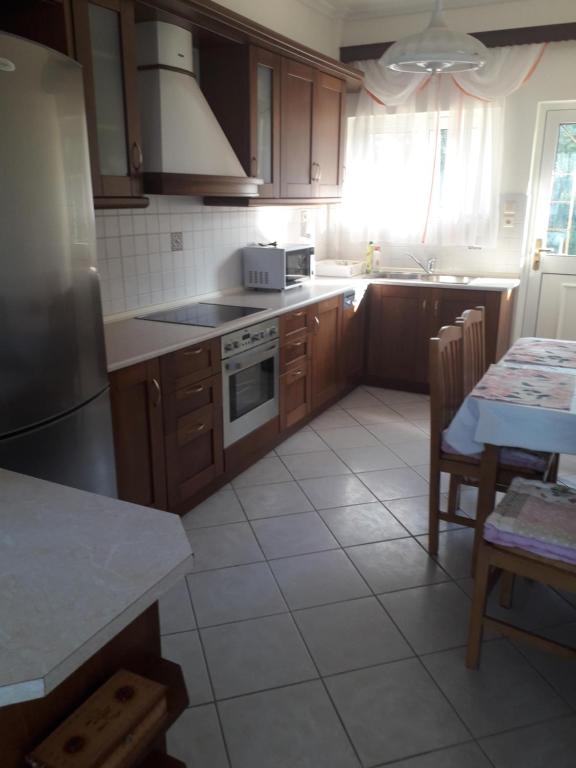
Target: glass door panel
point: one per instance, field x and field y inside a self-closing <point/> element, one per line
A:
<point x="107" y="67"/>
<point x="264" y="102"/>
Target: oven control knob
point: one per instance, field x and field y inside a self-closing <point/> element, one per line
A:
<point x="227" y="347"/>
<point x="236" y="344"/>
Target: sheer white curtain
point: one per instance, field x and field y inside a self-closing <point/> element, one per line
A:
<point x="424" y="153"/>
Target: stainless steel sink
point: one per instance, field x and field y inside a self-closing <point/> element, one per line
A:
<point x="418" y="277"/>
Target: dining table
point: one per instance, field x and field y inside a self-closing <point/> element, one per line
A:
<point x="526" y="400"/>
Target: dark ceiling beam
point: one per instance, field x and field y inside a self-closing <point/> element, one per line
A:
<point x="549" y="33"/>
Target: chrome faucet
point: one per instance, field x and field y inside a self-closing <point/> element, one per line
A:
<point x="428" y="267"/>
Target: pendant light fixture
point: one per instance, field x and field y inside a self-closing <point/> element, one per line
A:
<point x="437" y="50"/>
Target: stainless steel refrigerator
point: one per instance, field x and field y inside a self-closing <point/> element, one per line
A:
<point x="55" y="419"/>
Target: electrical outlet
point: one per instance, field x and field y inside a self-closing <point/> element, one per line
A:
<point x="176" y="241"/>
<point x="304" y="224"/>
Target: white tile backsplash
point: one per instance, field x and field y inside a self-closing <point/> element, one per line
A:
<point x="138" y="267"/>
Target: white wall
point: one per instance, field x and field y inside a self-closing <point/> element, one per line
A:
<point x="506" y="15"/>
<point x="297" y="19"/>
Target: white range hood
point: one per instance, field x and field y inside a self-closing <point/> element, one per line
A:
<point x="185" y="149"/>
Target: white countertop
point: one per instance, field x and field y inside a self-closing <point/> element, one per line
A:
<point x="75" y="569"/>
<point x="130" y="341"/>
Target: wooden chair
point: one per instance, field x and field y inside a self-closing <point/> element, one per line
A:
<point x="446" y="396"/>
<point x="510" y="562"/>
<point x="473" y="368"/>
<point x="473" y="347"/>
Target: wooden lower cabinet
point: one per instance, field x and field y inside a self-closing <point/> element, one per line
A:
<point x="167" y="417"/>
<point x="194" y="442"/>
<point x="139" y="434"/>
<point x="325" y="352"/>
<point x="295" y="390"/>
<point x="402" y="319"/>
<point x="398" y="328"/>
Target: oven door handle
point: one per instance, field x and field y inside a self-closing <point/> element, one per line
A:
<point x="246" y="359"/>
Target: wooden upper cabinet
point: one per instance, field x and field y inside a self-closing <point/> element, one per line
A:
<point x="298" y="176"/>
<point x="328" y="135"/>
<point x="265" y="75"/>
<point x="104" y="33"/>
<point x="312" y="135"/>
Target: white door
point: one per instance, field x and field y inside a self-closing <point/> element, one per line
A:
<point x="551" y="298"/>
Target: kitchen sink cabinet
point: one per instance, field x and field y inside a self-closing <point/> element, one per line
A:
<point x="104" y="36"/>
<point x="325" y="351"/>
<point x="139" y="434"/>
<point x="402" y="319"/>
<point x="398" y="328"/>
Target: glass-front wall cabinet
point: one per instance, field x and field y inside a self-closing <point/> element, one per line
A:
<point x="265" y="129"/>
<point x="104" y="33"/>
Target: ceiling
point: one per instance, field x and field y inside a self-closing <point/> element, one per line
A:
<point x="356" y="9"/>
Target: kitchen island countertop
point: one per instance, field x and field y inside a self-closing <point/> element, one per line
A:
<point x="130" y="341"/>
<point x="75" y="570"/>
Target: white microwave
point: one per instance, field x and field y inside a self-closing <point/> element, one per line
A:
<point x="276" y="268"/>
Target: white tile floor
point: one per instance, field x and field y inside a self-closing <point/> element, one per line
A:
<point x="315" y="631"/>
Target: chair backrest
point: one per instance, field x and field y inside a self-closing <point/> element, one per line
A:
<point x="446" y="389"/>
<point x="473" y="347"/>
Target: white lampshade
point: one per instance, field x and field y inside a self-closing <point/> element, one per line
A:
<point x="436" y="50"/>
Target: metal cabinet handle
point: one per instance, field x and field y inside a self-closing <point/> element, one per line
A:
<point x="296" y="343"/>
<point x="436" y="306"/>
<point x="298" y="373"/>
<point x="194" y="352"/>
<point x="317" y="321"/>
<point x="196" y="428"/>
<point x="299" y="314"/>
<point x="319" y="172"/>
<point x="424" y="305"/>
<point x="194" y="390"/>
<point x="137" y="157"/>
<point x="314" y="173"/>
<point x="158" y="399"/>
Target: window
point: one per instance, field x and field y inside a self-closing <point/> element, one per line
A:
<point x="561" y="231"/>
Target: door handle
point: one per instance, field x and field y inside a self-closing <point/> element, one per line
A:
<point x="317" y="321"/>
<point x="158" y="391"/>
<point x="194" y="352"/>
<point x="538" y="251"/>
<point x="137" y="157"/>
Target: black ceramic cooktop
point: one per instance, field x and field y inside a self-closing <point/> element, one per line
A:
<point x="207" y="315"/>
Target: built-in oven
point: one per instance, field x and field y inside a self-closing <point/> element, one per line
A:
<point x="250" y="379"/>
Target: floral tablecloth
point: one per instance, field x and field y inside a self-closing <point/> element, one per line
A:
<point x="533" y="408"/>
<point x="547" y="352"/>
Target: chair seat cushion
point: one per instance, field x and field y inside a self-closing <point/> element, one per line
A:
<point x="509" y="457"/>
<point x="537" y="517"/>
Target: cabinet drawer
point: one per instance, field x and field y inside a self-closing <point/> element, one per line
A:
<point x="295" y="348"/>
<point x="192" y="397"/>
<point x="295" y="322"/>
<point x="294" y="394"/>
<point x="190" y="365"/>
<point x="194" y="425"/>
